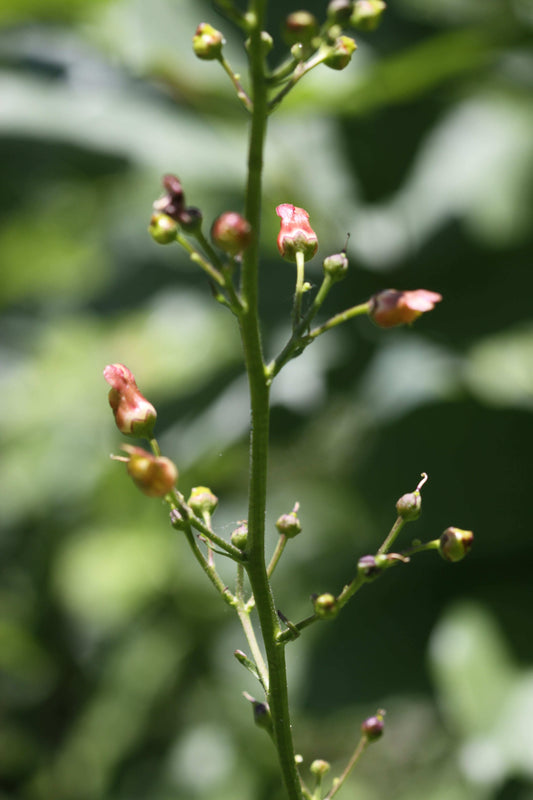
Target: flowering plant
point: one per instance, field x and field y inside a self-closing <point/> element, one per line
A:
<point x="231" y="263"/>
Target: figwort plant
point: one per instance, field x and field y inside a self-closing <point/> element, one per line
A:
<point x="230" y="259"/>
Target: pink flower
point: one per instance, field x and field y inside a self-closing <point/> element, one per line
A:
<point x="133" y="413"/>
<point x="296" y="235"/>
<point x="392" y="307"/>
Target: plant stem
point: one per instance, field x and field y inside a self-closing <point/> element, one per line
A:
<point x="260" y="413"/>
<point x="298" y="292"/>
<point x="359" y="750"/>
<point x="244" y="617"/>
<point x="394" y="531"/>
<point x="344" y="316"/>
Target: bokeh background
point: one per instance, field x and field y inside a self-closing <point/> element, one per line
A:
<point x="117" y="675"/>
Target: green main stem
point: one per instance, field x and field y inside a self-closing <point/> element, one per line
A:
<point x="260" y="416"/>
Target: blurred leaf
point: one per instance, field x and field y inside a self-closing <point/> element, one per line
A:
<point x="104" y="576"/>
<point x="483" y="695"/>
<point x="499" y="368"/>
<point x="16" y="11"/>
<point x="50" y="251"/>
<point x="472" y="668"/>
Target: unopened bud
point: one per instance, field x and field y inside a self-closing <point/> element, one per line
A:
<point x="262" y="716"/>
<point x="207" y="42"/>
<point x="190" y="219"/>
<point x="162" y="229"/>
<point x="231" y="232"/>
<point x="455" y="544"/>
<point x="367" y="14"/>
<point x="340" y="54"/>
<point x="134" y="415"/>
<point x="202" y="500"/>
<point x="370" y="567"/>
<point x="239" y="537"/>
<point x="325" y="606"/>
<point x="373" y="727"/>
<point x="177" y="521"/>
<point x="409" y="506"/>
<point x="319" y="767"/>
<point x="300" y="26"/>
<point x="296" y="234"/>
<point x="289" y="524"/>
<point x="336" y="266"/>
<point x="339" y="11"/>
<point x="267" y="43"/>
<point x="153" y="475"/>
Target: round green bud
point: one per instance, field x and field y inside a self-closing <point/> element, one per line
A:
<point x="409" y="506"/>
<point x="455" y="544"/>
<point x="207" y="42"/>
<point x="336" y="266"/>
<point x="367" y="14"/>
<point x="325" y="606"/>
<point x="202" y="500"/>
<point x="239" y="537"/>
<point x="289" y="525"/>
<point x="319" y="767"/>
<point x="162" y="229"/>
<point x="340" y="53"/>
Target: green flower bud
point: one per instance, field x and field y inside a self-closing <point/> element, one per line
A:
<point x="300" y="26"/>
<point x="162" y="229"/>
<point x="207" y="42"/>
<point x="319" y="767"/>
<point x="372" y="727"/>
<point x="409" y="506"/>
<point x="262" y="716"/>
<point x="289" y="524"/>
<point x="454" y="544"/>
<point x="367" y="14"/>
<point x="191" y="219"/>
<point x="340" y="54"/>
<point x="239" y="537"/>
<point x="177" y="521"/>
<point x="325" y="606"/>
<point x="370" y="567"/>
<point x="267" y="43"/>
<point x="336" y="266"/>
<point x="202" y="500"/>
<point x="339" y="11"/>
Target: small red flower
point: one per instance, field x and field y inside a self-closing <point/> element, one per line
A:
<point x="133" y="413"/>
<point x="296" y="235"/>
<point x="391" y="307"/>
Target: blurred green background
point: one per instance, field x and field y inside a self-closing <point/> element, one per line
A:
<point x="117" y="675"/>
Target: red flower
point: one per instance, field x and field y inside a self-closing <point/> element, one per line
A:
<point x="391" y="307"/>
<point x="296" y="235"/>
<point x="133" y="413"/>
